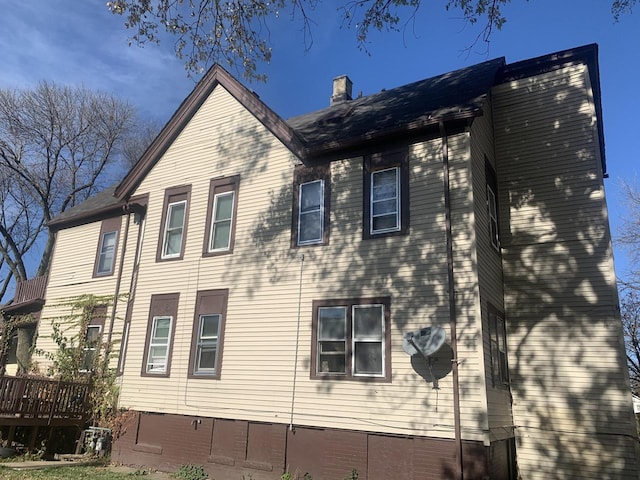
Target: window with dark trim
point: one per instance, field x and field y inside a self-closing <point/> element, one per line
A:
<point x="92" y="336"/>
<point x="386" y="194"/>
<point x="311" y="203"/>
<point x="492" y="204"/>
<point x="351" y="339"/>
<point x="221" y="216"/>
<point x="205" y="360"/>
<point x="498" y="344"/>
<point x="107" y="247"/>
<point x="160" y="332"/>
<point x="173" y="228"/>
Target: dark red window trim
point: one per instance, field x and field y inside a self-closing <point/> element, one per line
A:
<point x="381" y="161"/>
<point x="174" y="195"/>
<point x="108" y="225"/>
<point x="161" y="305"/>
<point x="216" y="186"/>
<point x="303" y="174"/>
<point x="348" y="303"/>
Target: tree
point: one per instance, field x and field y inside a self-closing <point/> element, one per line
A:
<point x="630" y="313"/>
<point x="235" y="33"/>
<point x="58" y="146"/>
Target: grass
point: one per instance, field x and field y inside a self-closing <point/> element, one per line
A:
<point x="76" y="472"/>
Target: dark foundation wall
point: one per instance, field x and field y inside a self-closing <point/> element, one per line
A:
<point x="229" y="449"/>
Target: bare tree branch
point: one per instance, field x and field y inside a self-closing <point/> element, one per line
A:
<point x="58" y="146"/>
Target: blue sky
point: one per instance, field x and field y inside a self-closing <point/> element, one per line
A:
<point x="75" y="43"/>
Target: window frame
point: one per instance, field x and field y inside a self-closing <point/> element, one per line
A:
<point x="304" y="175"/>
<point x="377" y="163"/>
<point x="173" y="196"/>
<point x="208" y="302"/>
<point x="493" y="212"/>
<point x="110" y="225"/>
<point x="350" y="341"/>
<point x="498" y="347"/>
<point x="162" y="306"/>
<point x="217" y="187"/>
<point x="97" y="320"/>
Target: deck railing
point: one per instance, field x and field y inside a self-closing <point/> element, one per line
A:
<point x="30" y="289"/>
<point x="43" y="399"/>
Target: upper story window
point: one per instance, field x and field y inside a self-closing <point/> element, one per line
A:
<point x="311" y="201"/>
<point x="492" y="205"/>
<point x="107" y="247"/>
<point x="311" y="212"/>
<point x="160" y="333"/>
<point x="498" y="344"/>
<point x="208" y="333"/>
<point x="175" y="213"/>
<point x="351" y="339"/>
<point x="385" y="201"/>
<point x="386" y="194"/>
<point x="221" y="215"/>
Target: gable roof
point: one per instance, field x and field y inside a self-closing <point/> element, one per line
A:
<point x="411" y="109"/>
<point x="456" y="95"/>
<point x="214" y="77"/>
<point x="102" y="204"/>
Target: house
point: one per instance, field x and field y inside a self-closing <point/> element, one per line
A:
<point x="272" y="279"/>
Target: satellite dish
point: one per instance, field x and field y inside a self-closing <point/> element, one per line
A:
<point x="425" y="341"/>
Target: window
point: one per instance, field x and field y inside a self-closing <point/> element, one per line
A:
<point x="311" y="212"/>
<point x="159" y="345"/>
<point x="222" y="207"/>
<point x="92" y="336"/>
<point x="311" y="200"/>
<point x="351" y="339"/>
<point x="498" y="343"/>
<point x="385" y="201"/>
<point x="91" y="346"/>
<point x="107" y="246"/>
<point x="160" y="332"/>
<point x="492" y="205"/>
<point x="174" y="223"/>
<point x="386" y="194"/>
<point x="208" y="333"/>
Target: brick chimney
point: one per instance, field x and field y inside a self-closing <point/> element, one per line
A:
<point x="342" y="86"/>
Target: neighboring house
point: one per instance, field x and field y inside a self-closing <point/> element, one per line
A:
<point x="18" y="324"/>
<point x="268" y="272"/>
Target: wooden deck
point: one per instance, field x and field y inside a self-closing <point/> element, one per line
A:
<point x="26" y="401"/>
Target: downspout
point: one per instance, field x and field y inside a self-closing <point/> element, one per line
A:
<point x="132" y="286"/>
<point x="116" y="294"/>
<point x="452" y="301"/>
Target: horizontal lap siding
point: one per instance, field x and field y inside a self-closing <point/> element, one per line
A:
<point x="473" y="406"/>
<point x="263" y="278"/>
<point x="490" y="283"/>
<point x="571" y="400"/>
<point x="71" y="276"/>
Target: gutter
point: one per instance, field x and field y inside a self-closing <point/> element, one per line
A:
<point x="452" y="302"/>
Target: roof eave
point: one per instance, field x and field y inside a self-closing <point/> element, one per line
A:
<point x="214" y="77"/>
<point x="411" y="129"/>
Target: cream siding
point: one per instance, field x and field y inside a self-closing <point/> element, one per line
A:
<point x="71" y="275"/>
<point x="264" y="276"/>
<point x="500" y="422"/>
<point x="563" y="326"/>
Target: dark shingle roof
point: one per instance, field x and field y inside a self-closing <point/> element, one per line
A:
<point x="454" y="95"/>
<point x="103" y="202"/>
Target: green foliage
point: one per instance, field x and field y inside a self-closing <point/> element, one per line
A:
<point x="77" y="355"/>
<point x="353" y="476"/>
<point x="191" y="472"/>
<point x="296" y="476"/>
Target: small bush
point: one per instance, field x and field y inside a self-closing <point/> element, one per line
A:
<point x="191" y="472"/>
